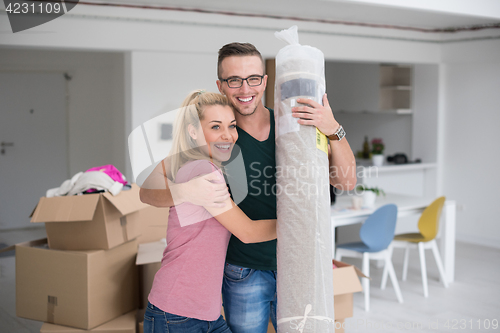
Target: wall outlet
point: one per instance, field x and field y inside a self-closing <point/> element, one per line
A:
<point x="460" y="207"/>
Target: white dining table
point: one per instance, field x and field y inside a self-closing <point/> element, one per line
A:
<point x="342" y="213"/>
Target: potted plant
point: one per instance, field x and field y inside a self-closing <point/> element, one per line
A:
<point x="369" y="194"/>
<point x="378" y="152"/>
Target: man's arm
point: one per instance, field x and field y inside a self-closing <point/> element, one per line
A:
<point x="157" y="190"/>
<point x="341" y="158"/>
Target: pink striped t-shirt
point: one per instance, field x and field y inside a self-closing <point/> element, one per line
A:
<point x="189" y="280"/>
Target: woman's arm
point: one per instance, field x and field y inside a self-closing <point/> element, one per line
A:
<point x="240" y="225"/>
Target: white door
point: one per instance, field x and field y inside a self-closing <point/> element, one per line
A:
<point x="33" y="142"/>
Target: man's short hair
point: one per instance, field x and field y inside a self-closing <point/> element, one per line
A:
<point x="236" y="49"/>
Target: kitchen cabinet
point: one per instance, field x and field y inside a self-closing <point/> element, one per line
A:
<point x="395" y="88"/>
<point x="369" y="87"/>
<point x="416" y="179"/>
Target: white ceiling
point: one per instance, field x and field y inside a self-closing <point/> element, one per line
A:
<point x="379" y="12"/>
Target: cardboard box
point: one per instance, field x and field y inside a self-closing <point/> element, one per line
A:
<point x="270" y="327"/>
<point x="90" y="221"/>
<point x="148" y="260"/>
<point x="140" y="320"/>
<point x="123" y="324"/>
<point x="345" y="283"/>
<point x="153" y="222"/>
<point x="82" y="289"/>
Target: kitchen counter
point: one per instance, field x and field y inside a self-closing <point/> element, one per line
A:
<point x="416" y="179"/>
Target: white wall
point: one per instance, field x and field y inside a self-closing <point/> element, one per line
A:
<point x="471" y="153"/>
<point x="395" y="131"/>
<point x="159" y="82"/>
<point x="95" y="102"/>
<point x="425" y="118"/>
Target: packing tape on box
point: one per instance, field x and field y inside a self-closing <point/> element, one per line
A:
<point x="123" y="223"/>
<point x="51" y="304"/>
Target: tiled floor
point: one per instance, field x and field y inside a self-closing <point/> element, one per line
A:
<point x="472" y="300"/>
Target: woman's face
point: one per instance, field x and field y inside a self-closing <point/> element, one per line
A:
<point x="217" y="133"/>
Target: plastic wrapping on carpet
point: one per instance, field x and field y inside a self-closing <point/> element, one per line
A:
<point x="304" y="248"/>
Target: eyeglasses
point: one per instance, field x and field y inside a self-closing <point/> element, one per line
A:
<point x="237" y="82"/>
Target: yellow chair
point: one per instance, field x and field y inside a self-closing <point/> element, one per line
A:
<point x="428" y="225"/>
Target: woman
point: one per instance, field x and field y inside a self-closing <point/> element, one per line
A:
<point x="186" y="292"/>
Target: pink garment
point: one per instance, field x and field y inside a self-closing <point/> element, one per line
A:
<point x="111" y="171"/>
<point x="189" y="281"/>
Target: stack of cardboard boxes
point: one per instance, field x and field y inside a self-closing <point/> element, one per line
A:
<point x="83" y="277"/>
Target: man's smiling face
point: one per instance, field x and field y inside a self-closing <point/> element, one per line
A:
<point x="245" y="99"/>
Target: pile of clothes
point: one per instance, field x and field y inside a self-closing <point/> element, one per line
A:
<point x="94" y="180"/>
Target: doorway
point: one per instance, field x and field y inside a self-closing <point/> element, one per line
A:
<point x="33" y="142"/>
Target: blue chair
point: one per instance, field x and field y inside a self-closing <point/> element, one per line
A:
<point x="376" y="235"/>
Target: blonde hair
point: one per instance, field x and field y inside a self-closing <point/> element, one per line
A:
<point x="184" y="148"/>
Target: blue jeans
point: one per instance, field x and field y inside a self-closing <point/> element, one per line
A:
<point x="158" y="321"/>
<point x="249" y="298"/>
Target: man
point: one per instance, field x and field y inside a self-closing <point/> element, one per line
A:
<point x="249" y="288"/>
